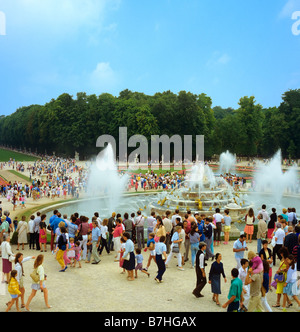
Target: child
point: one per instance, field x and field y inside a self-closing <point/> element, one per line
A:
<point x="121" y="251"/>
<point x="290" y="285"/>
<point x="89" y="246"/>
<point x="151" y="247"/>
<point x="71" y="252"/>
<point x="227" y="226"/>
<point x="257" y="264"/>
<point x="77" y="249"/>
<point x="139" y="262"/>
<point x="43" y="236"/>
<point x="14" y="291"/>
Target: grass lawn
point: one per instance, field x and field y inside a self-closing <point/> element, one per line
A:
<point x="5" y="155"/>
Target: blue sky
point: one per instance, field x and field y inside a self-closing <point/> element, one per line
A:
<point x="224" y="48"/>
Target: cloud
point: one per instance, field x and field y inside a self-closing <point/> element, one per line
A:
<point x="103" y="77"/>
<point x="289" y="8"/>
<point x="59" y="18"/>
<point x="218" y="59"/>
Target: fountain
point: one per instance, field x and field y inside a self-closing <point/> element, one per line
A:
<point x="270" y="180"/>
<point x="227" y="162"/>
<point x="203" y="192"/>
<point x="104" y="180"/>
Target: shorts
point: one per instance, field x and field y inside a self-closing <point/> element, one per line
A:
<point x="14" y="296"/>
<point x="37" y="286"/>
<point x="227" y="229"/>
<point x="139" y="266"/>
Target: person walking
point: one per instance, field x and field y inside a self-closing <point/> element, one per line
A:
<point x="62" y="247"/>
<point x="128" y="256"/>
<point x="235" y="294"/>
<point x="39" y="282"/>
<point x="139" y="226"/>
<point x="214" y="277"/>
<point x="200" y="270"/>
<point x="239" y="248"/>
<point x="7" y="257"/>
<point x="160" y="257"/>
<point x="22" y="230"/>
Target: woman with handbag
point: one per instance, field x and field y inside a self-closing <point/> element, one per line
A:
<point x="7" y="257"/>
<point x="38" y="281"/>
<point x="280" y="275"/>
<point x="128" y="256"/>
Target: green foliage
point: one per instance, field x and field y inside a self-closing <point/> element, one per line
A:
<point x="66" y="124"/>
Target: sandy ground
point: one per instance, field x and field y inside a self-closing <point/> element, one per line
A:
<point x="102" y="288"/>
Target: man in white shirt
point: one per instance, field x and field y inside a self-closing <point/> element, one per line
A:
<point x="176" y="215"/>
<point x="279" y="240"/>
<point x="264" y="213"/>
<point x="151" y="222"/>
<point x="168" y="226"/>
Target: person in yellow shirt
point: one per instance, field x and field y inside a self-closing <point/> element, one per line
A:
<point x="14" y="291"/>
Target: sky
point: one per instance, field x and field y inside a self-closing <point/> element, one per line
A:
<point x="226" y="49"/>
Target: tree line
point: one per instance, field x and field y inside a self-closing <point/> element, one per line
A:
<point x="66" y="124"/>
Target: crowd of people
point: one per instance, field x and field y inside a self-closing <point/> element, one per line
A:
<point x="192" y="239"/>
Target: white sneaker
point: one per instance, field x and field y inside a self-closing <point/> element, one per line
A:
<point x="181" y="268"/>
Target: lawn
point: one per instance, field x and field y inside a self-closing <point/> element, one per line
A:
<point x="5" y="155"/>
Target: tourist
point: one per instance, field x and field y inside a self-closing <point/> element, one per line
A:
<point x="151" y="247"/>
<point x="128" y="256"/>
<point x="282" y="270"/>
<point x="175" y="248"/>
<point x="160" y="252"/>
<point x="14" y="291"/>
<point x="151" y="221"/>
<point x="62" y="242"/>
<point x="31" y="232"/>
<point x="200" y="270"/>
<point x="227" y="226"/>
<point x="43" y="233"/>
<point x="55" y="212"/>
<point x="39" y="282"/>
<point x="169" y="228"/>
<point x="266" y="255"/>
<point x="139" y="263"/>
<point x="117" y="233"/>
<point x="83" y="230"/>
<point x="249" y="228"/>
<point x="243" y="270"/>
<point x="96" y="238"/>
<point x="104" y="232"/>
<point x="262" y="229"/>
<point x="111" y="225"/>
<point x="182" y="236"/>
<point x="284" y="214"/>
<point x="208" y="232"/>
<point x="256" y="262"/>
<point x="279" y="236"/>
<point x="7" y="257"/>
<point x="22" y="230"/>
<point x="37" y="221"/>
<point x="271" y="224"/>
<point x="290" y="239"/>
<point x="218" y="220"/>
<point x="235" y="294"/>
<point x="239" y="247"/>
<point x="266" y="286"/>
<point x="175" y="216"/>
<point x="77" y="250"/>
<point x="4" y="228"/>
<point x="186" y="243"/>
<point x="255" y="280"/>
<point x="127" y="222"/>
<point x="290" y="285"/>
<point x="121" y="252"/>
<point x="19" y="260"/>
<point x="264" y="213"/>
<point x="214" y="277"/>
<point x="139" y="226"/>
<point x="159" y="229"/>
<point x="194" y="241"/>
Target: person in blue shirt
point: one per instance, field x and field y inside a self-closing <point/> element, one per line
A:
<point x="160" y="252"/>
<point x="96" y="237"/>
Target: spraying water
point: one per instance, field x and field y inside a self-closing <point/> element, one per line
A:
<point x="271" y="179"/>
<point x="105" y="181"/>
<point x="227" y="162"/>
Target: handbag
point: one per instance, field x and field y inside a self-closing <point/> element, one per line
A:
<point x="279" y="277"/>
<point x="35" y="276"/>
<point x="175" y="249"/>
